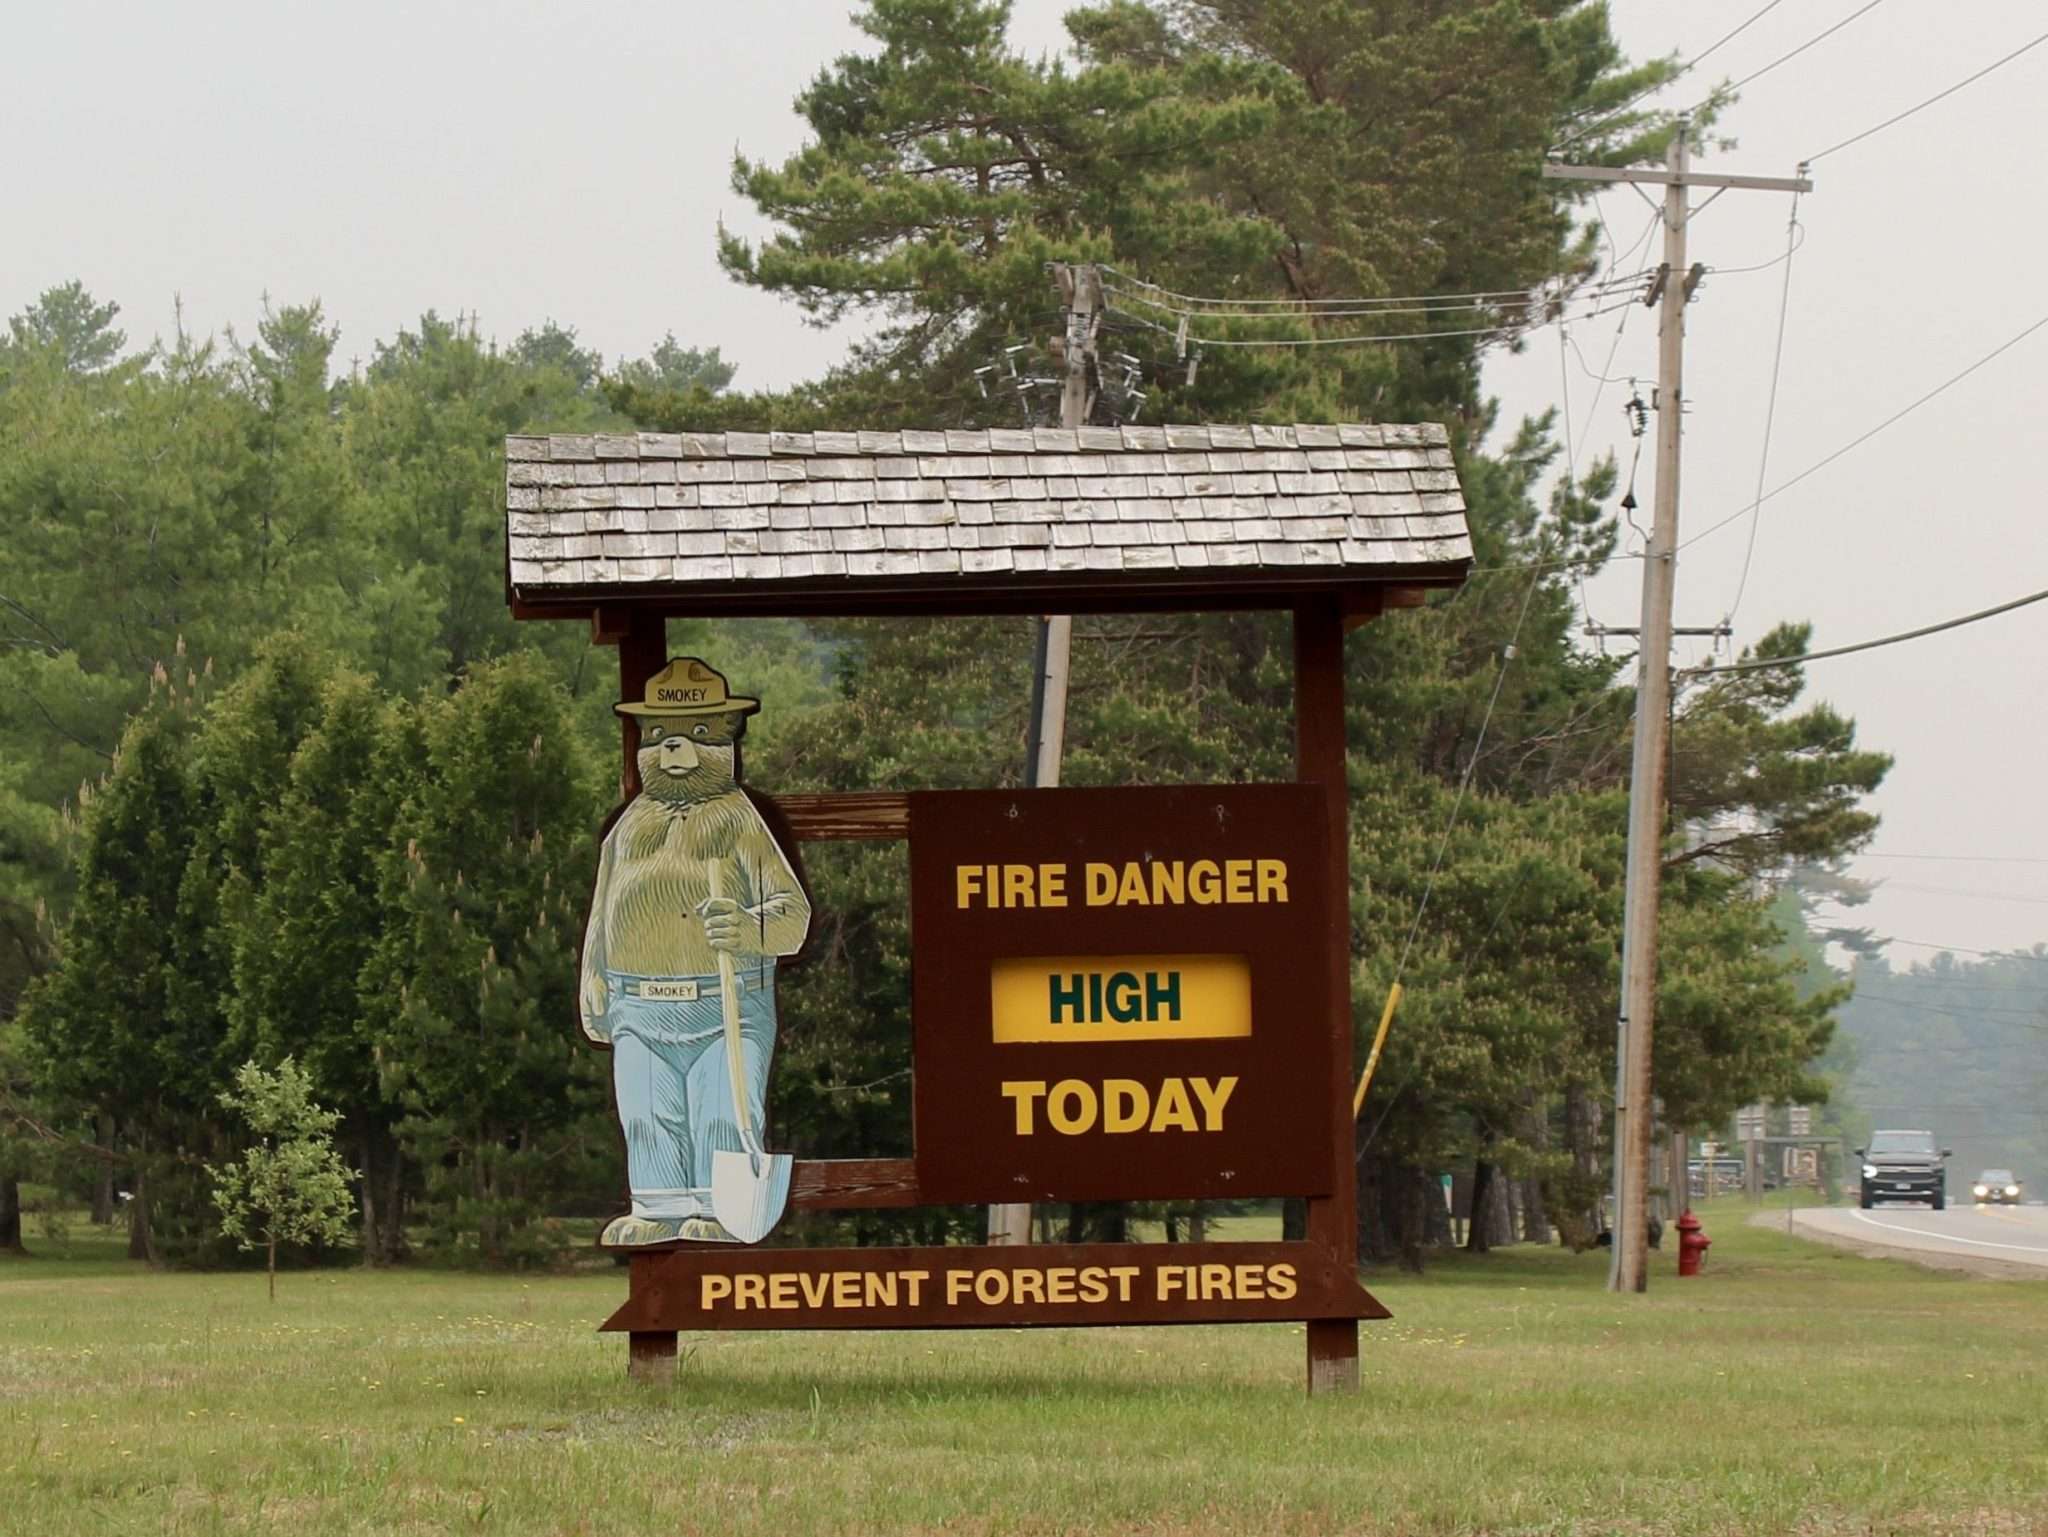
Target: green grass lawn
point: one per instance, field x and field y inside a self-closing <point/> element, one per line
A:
<point x="1791" y="1389"/>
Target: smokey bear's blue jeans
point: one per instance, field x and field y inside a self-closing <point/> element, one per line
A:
<point x="673" y="1083"/>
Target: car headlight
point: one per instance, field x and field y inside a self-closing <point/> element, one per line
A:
<point x="2012" y="1189"/>
<point x="1980" y="1190"/>
<point x="1870" y="1171"/>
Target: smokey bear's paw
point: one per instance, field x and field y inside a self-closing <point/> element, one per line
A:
<point x="705" y="1230"/>
<point x="635" y="1232"/>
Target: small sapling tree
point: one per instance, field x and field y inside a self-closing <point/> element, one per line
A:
<point x="291" y="1186"/>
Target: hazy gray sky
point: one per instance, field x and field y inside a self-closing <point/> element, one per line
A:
<point x="1902" y="281"/>
<point x="527" y="161"/>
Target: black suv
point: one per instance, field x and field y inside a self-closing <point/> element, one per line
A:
<point x="1904" y="1166"/>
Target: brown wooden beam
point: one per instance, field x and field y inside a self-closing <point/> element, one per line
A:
<point x="610" y="623"/>
<point x="643" y="652"/>
<point x="830" y="598"/>
<point x="845" y="814"/>
<point x="1320" y="759"/>
<point x="651" y="1356"/>
<point x="846" y="1184"/>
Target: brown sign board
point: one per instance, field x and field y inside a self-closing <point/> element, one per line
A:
<point x="1121" y="994"/>
<point x="986" y="1287"/>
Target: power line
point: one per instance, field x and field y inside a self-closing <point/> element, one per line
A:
<point x="1858" y="442"/>
<point x="1494" y="331"/>
<point x="1964" y="891"/>
<point x="1588" y="369"/>
<point x="1927" y="986"/>
<point x="1872" y="645"/>
<point x="1812" y="469"/>
<point x="1616" y="256"/>
<point x="1188" y="307"/>
<point x="1900" y="117"/>
<point x="1998" y="955"/>
<point x="2013" y="1016"/>
<point x="1984" y="997"/>
<point x="1683" y="70"/>
<point x="1783" y="256"/>
<point x="1574" y="451"/>
<point x="1770" y="409"/>
<point x="1500" y="678"/>
<point x="1346" y="309"/>
<point x="1786" y="58"/>
<point x="1476" y="298"/>
<point x="1967" y="859"/>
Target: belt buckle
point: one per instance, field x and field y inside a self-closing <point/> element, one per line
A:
<point x="678" y="990"/>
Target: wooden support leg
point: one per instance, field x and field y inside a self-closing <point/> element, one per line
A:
<point x="1319" y="759"/>
<point x="1332" y="1355"/>
<point x="651" y="1357"/>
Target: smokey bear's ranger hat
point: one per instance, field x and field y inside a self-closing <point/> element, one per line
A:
<point x="688" y="687"/>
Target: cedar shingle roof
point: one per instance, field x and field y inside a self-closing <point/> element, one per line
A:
<point x="695" y="515"/>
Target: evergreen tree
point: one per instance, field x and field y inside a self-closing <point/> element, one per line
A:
<point x="469" y="995"/>
<point x="67" y="326"/>
<point x="307" y="931"/>
<point x="106" y="1028"/>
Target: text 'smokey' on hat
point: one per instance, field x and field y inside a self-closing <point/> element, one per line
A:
<point x="688" y="686"/>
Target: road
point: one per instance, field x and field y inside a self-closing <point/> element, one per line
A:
<point x="1994" y="1240"/>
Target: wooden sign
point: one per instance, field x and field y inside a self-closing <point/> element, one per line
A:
<point x="984" y="1287"/>
<point x="1119" y="993"/>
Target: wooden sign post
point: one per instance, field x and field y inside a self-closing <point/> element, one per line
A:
<point x="1137" y="993"/>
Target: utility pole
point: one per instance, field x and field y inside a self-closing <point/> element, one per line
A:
<point x="1081" y="289"/>
<point x="1634" y="1108"/>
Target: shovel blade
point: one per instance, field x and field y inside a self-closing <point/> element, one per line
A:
<point x="749" y="1204"/>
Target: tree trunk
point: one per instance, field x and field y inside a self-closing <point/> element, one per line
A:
<point x="1416" y="1190"/>
<point x="391" y="1244"/>
<point x="1294" y="1219"/>
<point x="1529" y="1189"/>
<point x="1377" y="1221"/>
<point x="1198" y="1225"/>
<point x="1479" y="1231"/>
<point x="1535" y="1219"/>
<point x="1574" y="1205"/>
<point x="1500" y="1213"/>
<point x="1172" y="1228"/>
<point x="272" y="1267"/>
<point x="140" y="1245"/>
<point x="103" y="1187"/>
<point x="372" y="1248"/>
<point x="1436" y="1213"/>
<point x="10" y="1216"/>
<point x="487" y="1209"/>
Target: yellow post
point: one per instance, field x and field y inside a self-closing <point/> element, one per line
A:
<point x="1379" y="1040"/>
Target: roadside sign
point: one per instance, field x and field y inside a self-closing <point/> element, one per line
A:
<point x="1117" y="994"/>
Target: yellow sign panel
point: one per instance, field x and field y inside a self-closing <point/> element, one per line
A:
<point x="1121" y="997"/>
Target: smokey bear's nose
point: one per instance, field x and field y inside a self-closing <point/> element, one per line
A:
<point x="679" y="754"/>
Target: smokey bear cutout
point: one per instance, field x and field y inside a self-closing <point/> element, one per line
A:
<point x="694" y="907"/>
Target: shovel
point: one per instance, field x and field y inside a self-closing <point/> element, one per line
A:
<point x="749" y="1188"/>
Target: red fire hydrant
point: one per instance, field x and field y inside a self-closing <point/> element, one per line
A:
<point x="1692" y="1244"/>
